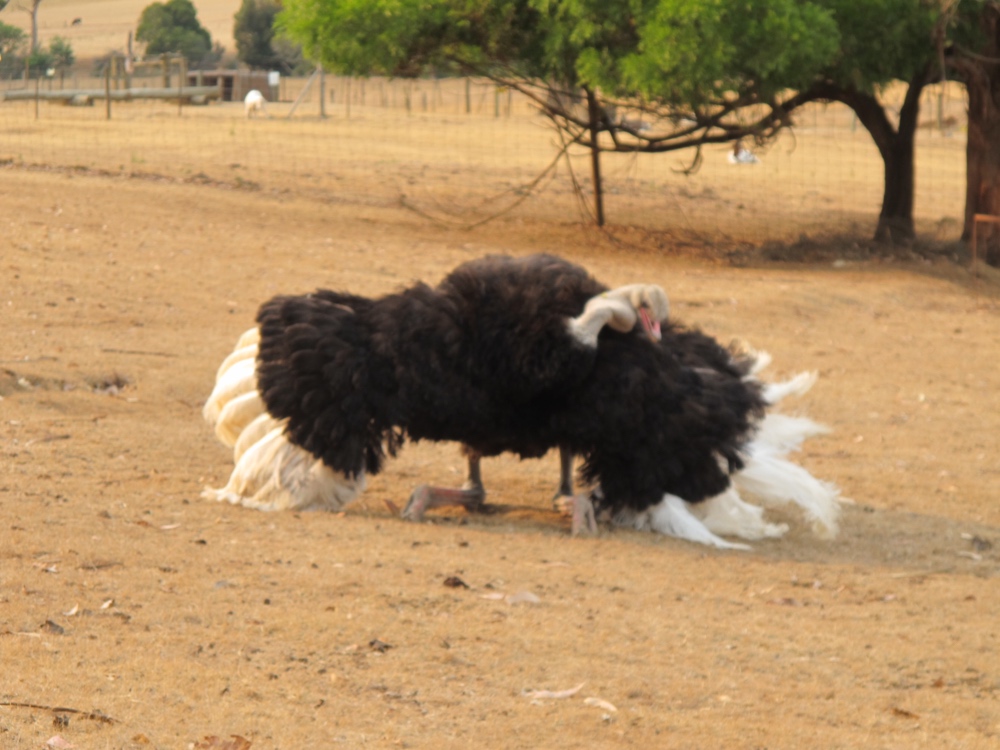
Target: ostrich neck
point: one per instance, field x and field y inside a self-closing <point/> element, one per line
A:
<point x="597" y="314"/>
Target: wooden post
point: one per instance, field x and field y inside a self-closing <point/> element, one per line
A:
<point x="496" y="101"/>
<point x="107" y="91"/>
<point x="595" y="155"/>
<point x="181" y="83"/>
<point x="468" y="96"/>
<point x="322" y="92"/>
<point x="165" y="62"/>
<point x="347" y="99"/>
<point x="976" y="220"/>
<point x="36" y="98"/>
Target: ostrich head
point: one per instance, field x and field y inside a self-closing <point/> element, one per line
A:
<point x="621" y="309"/>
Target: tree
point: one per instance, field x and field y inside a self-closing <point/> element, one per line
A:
<point x="62" y="56"/>
<point x="173" y="27"/>
<point x="657" y="75"/>
<point x="970" y="46"/>
<point x="253" y="29"/>
<point x="882" y="41"/>
<point x="11" y="45"/>
<point x="32" y="10"/>
<point x="594" y="68"/>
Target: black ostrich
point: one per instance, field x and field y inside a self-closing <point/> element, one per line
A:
<point x="486" y="358"/>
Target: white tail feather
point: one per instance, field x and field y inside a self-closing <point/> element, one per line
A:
<point x="239" y="379"/>
<point x="273" y="474"/>
<point x="253" y="432"/>
<point x="249" y="337"/>
<point x="237" y="355"/>
<point x="783" y="434"/>
<point x="778" y="482"/>
<point x="729" y="514"/>
<point x="797" y="386"/>
<point x="236" y="415"/>
<point x="672" y="517"/>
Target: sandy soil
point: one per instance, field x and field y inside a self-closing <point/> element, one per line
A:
<point x="133" y="614"/>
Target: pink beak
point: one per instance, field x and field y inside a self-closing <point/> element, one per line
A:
<point x="650" y="326"/>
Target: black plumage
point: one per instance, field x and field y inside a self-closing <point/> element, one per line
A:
<point x="486" y="358"/>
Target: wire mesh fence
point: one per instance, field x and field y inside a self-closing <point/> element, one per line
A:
<point x="462" y="150"/>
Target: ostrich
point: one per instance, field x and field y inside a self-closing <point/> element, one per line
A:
<point x="346" y="377"/>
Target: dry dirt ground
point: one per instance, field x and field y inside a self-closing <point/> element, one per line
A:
<point x="134" y="614"/>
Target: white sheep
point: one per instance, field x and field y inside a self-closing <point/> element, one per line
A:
<point x="254" y="103"/>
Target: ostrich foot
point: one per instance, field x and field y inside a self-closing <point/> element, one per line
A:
<point x="562" y="502"/>
<point x="426" y="497"/>
<point x="582" y="510"/>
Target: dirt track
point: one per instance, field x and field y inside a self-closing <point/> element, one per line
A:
<point x="121" y="591"/>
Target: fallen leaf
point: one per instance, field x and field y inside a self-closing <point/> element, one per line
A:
<point x="557" y="694"/>
<point x="170" y="526"/>
<point x="107" y="603"/>
<point x="903" y="713"/>
<point x="600" y="703"/>
<point x="455" y="582"/>
<point x="73" y="611"/>
<point x="217" y="743"/>
<point x="376" y="645"/>
<point x="495" y="597"/>
<point x="58" y="742"/>
<point x="525" y="597"/>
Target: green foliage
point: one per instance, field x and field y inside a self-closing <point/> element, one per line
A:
<point x="39" y="62"/>
<point x="12" y="43"/>
<point x="253" y="29"/>
<point x="667" y="50"/>
<point x="880" y="41"/>
<point x="257" y="43"/>
<point x="173" y="27"/>
<point x="62" y="53"/>
<point x="699" y="50"/>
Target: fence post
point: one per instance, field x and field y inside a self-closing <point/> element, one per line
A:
<point x="36" y="98"/>
<point x="468" y="95"/>
<point x="181" y="83"/>
<point x="322" y="92"/>
<point x="107" y="90"/>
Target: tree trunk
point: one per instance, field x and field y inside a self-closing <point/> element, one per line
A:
<point x="34" y="23"/>
<point x="982" y="186"/>
<point x="895" y="221"/>
<point x="594" y="113"/>
<point x="895" y="145"/>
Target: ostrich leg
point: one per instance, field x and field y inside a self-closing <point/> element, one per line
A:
<point x="579" y="507"/>
<point x="470" y="496"/>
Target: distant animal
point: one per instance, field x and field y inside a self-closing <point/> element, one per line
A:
<point x="742" y="155"/>
<point x="76" y="22"/>
<point x="254" y="104"/>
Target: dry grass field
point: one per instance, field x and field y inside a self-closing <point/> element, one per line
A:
<point x="134" y="614"/>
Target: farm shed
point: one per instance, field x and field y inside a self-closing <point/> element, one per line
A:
<point x="234" y="84"/>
